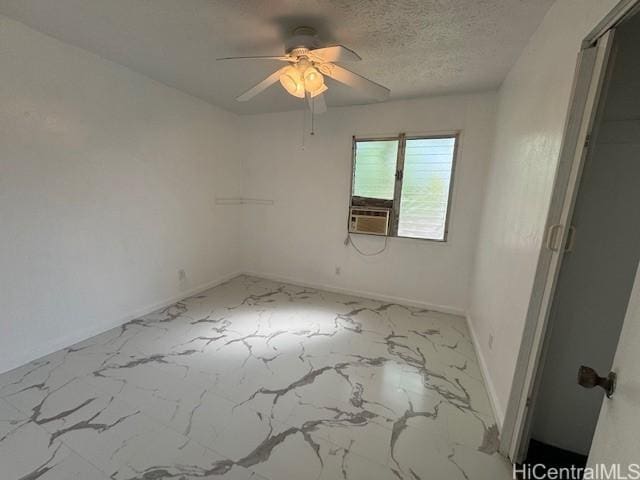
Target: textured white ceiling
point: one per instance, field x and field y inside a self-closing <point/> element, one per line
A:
<point x="415" y="47"/>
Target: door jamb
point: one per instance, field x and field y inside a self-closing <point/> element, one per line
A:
<point x="614" y="17"/>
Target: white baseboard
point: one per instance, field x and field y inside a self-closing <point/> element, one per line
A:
<point x="498" y="412"/>
<point x="79" y="335"/>
<point x="361" y="293"/>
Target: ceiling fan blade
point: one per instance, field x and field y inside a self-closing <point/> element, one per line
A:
<point x="337" y="53"/>
<point x="263" y="85"/>
<point x="263" y="57"/>
<point x="317" y="104"/>
<point x="353" y="80"/>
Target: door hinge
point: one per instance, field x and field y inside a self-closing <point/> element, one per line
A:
<point x="587" y="141"/>
<point x="399" y="175"/>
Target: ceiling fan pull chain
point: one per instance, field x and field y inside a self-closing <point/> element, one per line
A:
<point x="304" y="127"/>
<point x="313" y="132"/>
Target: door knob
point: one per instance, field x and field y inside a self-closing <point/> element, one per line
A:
<point x="589" y="378"/>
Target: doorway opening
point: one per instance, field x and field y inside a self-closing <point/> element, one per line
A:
<point x="600" y="257"/>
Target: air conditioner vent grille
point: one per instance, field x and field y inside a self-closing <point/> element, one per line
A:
<point x="372" y="221"/>
<point x="370" y="213"/>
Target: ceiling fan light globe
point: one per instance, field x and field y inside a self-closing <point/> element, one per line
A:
<point x="291" y="81"/>
<point x="313" y="80"/>
<point x="288" y="83"/>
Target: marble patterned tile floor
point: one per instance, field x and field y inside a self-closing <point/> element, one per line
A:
<point x="259" y="380"/>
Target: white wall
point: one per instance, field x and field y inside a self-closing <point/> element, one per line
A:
<point x="532" y="107"/>
<point x="107" y="185"/>
<point x="300" y="237"/>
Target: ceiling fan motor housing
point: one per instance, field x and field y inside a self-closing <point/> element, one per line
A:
<point x="302" y="38"/>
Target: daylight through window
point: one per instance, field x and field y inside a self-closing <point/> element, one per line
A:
<point x="401" y="186"/>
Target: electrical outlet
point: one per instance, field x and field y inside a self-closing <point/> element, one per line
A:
<point x="338" y="270"/>
<point x="490" y="342"/>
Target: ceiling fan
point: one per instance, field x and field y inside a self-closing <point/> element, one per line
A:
<point x="308" y="64"/>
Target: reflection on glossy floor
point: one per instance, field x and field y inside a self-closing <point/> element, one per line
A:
<point x="256" y="379"/>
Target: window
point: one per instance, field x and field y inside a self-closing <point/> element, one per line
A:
<point x="402" y="185"/>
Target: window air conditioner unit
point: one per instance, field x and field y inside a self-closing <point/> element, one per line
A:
<point x="372" y="221"/>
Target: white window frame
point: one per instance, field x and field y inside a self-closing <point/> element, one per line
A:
<point x="397" y="195"/>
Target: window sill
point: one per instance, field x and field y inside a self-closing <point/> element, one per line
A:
<point x="430" y="240"/>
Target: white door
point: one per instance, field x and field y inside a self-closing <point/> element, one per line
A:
<point x="617" y="437"/>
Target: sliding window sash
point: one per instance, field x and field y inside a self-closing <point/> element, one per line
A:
<point x="397" y="192"/>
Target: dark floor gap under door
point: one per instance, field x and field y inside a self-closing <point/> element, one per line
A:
<point x="551" y="456"/>
<point x="540" y="453"/>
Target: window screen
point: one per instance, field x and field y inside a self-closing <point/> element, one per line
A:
<point x="408" y="177"/>
<point x="426" y="179"/>
<point x="375" y="169"/>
